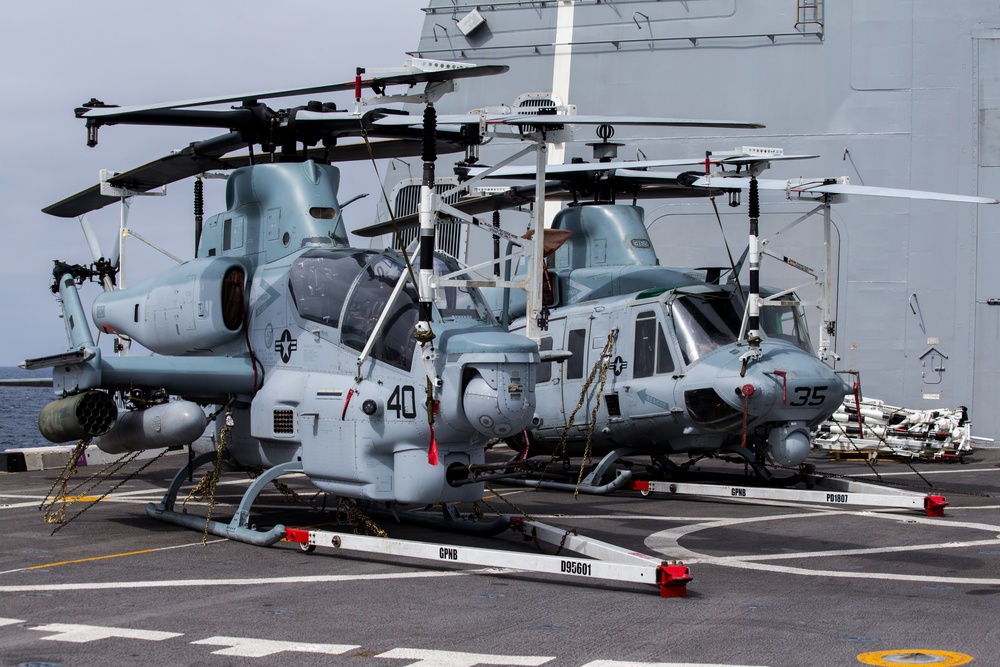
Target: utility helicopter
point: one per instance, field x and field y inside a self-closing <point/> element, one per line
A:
<point x="658" y="361"/>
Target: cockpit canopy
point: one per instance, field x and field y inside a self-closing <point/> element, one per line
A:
<point x="347" y="289"/>
<point x="704" y="321"/>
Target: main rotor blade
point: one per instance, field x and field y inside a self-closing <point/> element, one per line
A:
<point x="757" y="159"/>
<point x="634" y="169"/>
<point x="831" y="186"/>
<point x="380" y="149"/>
<point x="633" y="166"/>
<point x="198" y="157"/>
<point x="512" y="198"/>
<point x="522" y="195"/>
<point x="209" y="155"/>
<point x="376" y="82"/>
<point x="528" y="171"/>
<point x="88" y="233"/>
<point x="548" y="120"/>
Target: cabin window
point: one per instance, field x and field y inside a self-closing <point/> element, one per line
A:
<point x="544" y="373"/>
<point x="664" y="361"/>
<point x="651" y="354"/>
<point x="323" y="212"/>
<point x="232" y="233"/>
<point x="644" y="357"/>
<point x="575" y="344"/>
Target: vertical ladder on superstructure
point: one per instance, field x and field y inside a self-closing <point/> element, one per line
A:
<point x="809" y="12"/>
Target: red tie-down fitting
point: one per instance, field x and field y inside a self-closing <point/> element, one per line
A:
<point x="784" y="386"/>
<point x="747" y="390"/>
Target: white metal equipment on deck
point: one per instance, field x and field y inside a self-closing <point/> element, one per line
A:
<point x="599" y="560"/>
<point x="839" y="493"/>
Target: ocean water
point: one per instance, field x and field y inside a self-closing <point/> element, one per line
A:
<point x="19" y="407"/>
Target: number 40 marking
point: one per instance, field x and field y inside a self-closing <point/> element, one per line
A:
<point x="403" y="401"/>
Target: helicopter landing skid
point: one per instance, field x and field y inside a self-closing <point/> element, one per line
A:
<point x="591" y="483"/>
<point x="601" y="561"/>
<point x="746" y="456"/>
<point x="449" y="520"/>
<point x="239" y="527"/>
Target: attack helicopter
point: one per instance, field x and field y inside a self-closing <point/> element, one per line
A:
<point x="350" y="366"/>
<point x="656" y="361"/>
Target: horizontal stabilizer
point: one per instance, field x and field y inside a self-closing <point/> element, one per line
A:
<point x="62" y="359"/>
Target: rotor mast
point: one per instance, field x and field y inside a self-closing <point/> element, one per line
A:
<point x="754" y="353"/>
<point x="534" y="321"/>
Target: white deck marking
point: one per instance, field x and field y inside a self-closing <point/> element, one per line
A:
<point x="78" y="634"/>
<point x="10" y="621"/>
<point x="667" y="542"/>
<point x="123" y="497"/>
<point x="619" y="663"/>
<point x="246" y="647"/>
<point x="430" y="658"/>
<point x="838" y="574"/>
<point x="924" y="473"/>
<point x="196" y="583"/>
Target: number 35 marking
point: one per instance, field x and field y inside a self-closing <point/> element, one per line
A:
<point x="809" y="396"/>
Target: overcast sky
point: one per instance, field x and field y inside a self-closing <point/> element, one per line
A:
<point x="57" y="55"/>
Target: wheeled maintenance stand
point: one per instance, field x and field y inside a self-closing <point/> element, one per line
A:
<point x="837" y="492"/>
<point x="598" y="560"/>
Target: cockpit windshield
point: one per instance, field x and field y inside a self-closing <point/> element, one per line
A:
<point x="786" y="323"/>
<point x="349" y="290"/>
<point x="705" y="322"/>
<point x="319" y="280"/>
<point x="372" y="289"/>
<point x="456" y="303"/>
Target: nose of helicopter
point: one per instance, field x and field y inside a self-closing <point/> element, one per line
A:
<point x="491" y="382"/>
<point x="786" y="391"/>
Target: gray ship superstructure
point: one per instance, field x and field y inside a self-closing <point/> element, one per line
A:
<point x="896" y="93"/>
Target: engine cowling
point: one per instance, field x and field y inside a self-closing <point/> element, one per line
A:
<point x="194" y="307"/>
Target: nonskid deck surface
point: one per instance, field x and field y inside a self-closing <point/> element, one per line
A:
<point x="774" y="583"/>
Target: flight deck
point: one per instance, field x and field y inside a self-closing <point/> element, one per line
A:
<point x="774" y="582"/>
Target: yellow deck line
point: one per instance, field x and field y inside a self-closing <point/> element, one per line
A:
<point x="87" y="560"/>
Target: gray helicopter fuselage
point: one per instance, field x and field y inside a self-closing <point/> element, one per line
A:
<point x="369" y="438"/>
<point x="674" y="378"/>
<point x="278" y="320"/>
